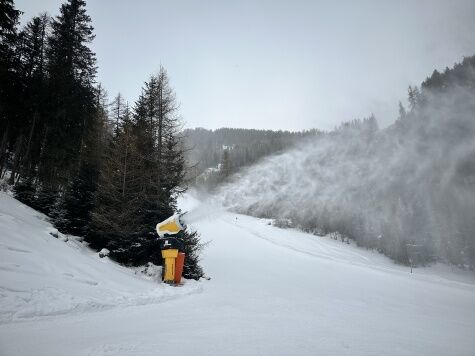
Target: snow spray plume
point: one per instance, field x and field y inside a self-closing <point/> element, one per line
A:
<point x="407" y="190"/>
<point x="204" y="211"/>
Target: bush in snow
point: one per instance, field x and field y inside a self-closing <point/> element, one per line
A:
<point x="282" y="223"/>
<point x="104" y="253"/>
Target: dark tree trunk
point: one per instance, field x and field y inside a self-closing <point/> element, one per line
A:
<point x="16" y="161"/>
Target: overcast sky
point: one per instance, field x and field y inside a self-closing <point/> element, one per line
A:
<point x="276" y="64"/>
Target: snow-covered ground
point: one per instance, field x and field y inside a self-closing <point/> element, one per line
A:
<point x="272" y="292"/>
<point x="42" y="276"/>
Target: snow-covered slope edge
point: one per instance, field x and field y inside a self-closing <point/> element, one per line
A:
<point x="41" y="275"/>
<point x="324" y="248"/>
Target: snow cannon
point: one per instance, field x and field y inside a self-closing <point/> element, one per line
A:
<point x="170" y="226"/>
<point x="171" y="247"/>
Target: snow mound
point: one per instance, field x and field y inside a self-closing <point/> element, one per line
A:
<point x="46" y="273"/>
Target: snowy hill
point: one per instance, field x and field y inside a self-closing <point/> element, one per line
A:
<point x="272" y="292"/>
<point x="41" y="275"/>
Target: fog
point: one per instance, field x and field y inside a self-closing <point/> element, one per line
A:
<point x="407" y="190"/>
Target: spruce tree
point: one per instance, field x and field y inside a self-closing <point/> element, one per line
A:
<point x="10" y="88"/>
<point x="34" y="80"/>
<point x="192" y="249"/>
<point x="74" y="208"/>
<point x="115" y="215"/>
<point x="225" y="165"/>
<point x="71" y="66"/>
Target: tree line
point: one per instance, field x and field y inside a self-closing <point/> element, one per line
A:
<point x="105" y="171"/>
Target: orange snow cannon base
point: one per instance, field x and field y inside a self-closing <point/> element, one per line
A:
<point x="179" y="263"/>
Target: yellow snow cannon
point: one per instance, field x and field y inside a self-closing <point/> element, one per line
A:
<point x="170" y="247"/>
<point x="170" y="226"/>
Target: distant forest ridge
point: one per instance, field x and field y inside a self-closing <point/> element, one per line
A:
<point x="226" y="150"/>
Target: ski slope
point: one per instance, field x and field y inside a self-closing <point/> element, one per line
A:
<point x="272" y="292"/>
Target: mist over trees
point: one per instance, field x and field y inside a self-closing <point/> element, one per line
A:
<point x="407" y="191"/>
<point x="214" y="155"/>
<point x="99" y="170"/>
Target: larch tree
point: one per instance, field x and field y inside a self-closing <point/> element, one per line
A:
<point x="118" y="111"/>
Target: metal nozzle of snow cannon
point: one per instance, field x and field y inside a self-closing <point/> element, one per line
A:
<point x="170" y="226"/>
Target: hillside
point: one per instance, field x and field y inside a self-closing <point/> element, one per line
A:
<point x="43" y="276"/>
<point x="407" y="190"/>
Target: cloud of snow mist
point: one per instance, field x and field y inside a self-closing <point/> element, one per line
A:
<point x="205" y="210"/>
<point x="412" y="183"/>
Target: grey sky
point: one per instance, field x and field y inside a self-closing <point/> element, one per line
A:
<point x="276" y="64"/>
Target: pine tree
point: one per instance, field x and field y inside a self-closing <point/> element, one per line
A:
<point x="71" y="66"/>
<point x="413" y="97"/>
<point x="192" y="248"/>
<point x="157" y="125"/>
<point x="72" y="214"/>
<point x="33" y="38"/>
<point x="225" y="165"/>
<point x="10" y="88"/>
<point x="9" y="17"/>
<point x="115" y="214"/>
<point x="34" y="79"/>
<point x="70" y="58"/>
<point x="74" y="208"/>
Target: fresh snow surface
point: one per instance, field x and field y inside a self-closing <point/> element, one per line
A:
<point x="272" y="292"/>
